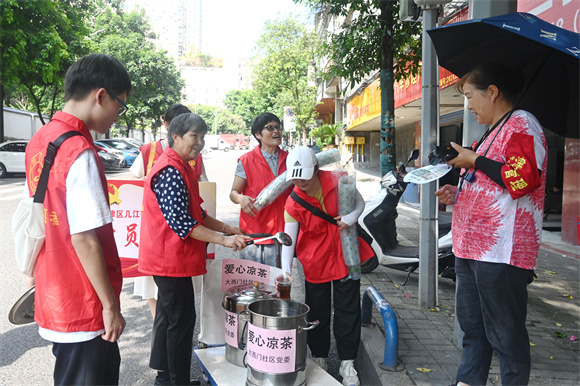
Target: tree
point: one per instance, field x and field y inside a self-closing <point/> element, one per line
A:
<point x="327" y="133"/>
<point x="284" y="69"/>
<point x="247" y="104"/>
<point x="39" y="40"/>
<point x="156" y="80"/>
<point x="372" y="37"/>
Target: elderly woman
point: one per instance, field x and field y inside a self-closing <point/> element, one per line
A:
<point x="255" y="170"/>
<point x="497" y="224"/>
<point x="144" y="286"/>
<point x="174" y="233"/>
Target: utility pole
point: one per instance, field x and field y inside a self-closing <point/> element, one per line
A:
<point x="215" y="120"/>
<point x="428" y="229"/>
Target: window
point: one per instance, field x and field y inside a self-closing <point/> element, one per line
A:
<point x="17" y="147"/>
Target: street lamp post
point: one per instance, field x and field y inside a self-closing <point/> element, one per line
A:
<point x="215" y="120"/>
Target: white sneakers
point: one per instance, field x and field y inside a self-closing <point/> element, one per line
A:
<point x="321" y="362"/>
<point x="348" y="373"/>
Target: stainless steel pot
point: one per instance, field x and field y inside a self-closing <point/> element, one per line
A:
<point x="236" y="300"/>
<point x="280" y="321"/>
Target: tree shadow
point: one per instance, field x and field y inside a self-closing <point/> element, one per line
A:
<point x="16" y="342"/>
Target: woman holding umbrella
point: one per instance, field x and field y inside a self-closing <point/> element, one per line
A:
<point x="497" y="224"/>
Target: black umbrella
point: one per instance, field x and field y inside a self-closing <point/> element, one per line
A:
<point x="548" y="56"/>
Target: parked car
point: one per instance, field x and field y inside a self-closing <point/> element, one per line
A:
<point x="108" y="160"/>
<point x="119" y="144"/>
<point x="134" y="141"/>
<point x="127" y="157"/>
<point x="12" y="157"/>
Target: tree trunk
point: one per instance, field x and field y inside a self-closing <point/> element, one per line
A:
<point x="387" y="134"/>
<point x="2" y="95"/>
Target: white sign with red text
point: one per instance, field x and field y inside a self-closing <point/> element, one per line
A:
<point x="271" y="351"/>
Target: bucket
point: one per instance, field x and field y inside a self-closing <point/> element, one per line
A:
<point x="236" y="300"/>
<point x="276" y="345"/>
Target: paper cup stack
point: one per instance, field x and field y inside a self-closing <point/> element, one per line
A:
<point x="349" y="240"/>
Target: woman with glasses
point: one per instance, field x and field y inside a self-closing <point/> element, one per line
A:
<point x="255" y="170"/>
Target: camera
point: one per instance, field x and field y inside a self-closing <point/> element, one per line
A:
<point x="442" y="154"/>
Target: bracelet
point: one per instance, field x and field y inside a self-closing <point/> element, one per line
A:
<point x="224" y="227"/>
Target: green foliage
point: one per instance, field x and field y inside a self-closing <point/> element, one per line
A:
<point x="227" y="122"/>
<point x="156" y="80"/>
<point x="327" y="133"/>
<point x="39" y="40"/>
<point x="371" y="38"/>
<point x="247" y="104"/>
<point x="284" y="69"/>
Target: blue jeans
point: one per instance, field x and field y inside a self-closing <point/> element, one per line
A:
<point x="491" y="308"/>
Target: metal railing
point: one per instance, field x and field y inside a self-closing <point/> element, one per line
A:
<point x="391" y="355"/>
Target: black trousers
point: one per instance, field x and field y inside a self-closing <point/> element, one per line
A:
<point x="347" y="314"/>
<point x="171" y="346"/>
<point x="94" y="362"/>
<point x="491" y="308"/>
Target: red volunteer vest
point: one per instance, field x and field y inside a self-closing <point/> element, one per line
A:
<point x="162" y="252"/>
<point x="148" y="162"/>
<point x="318" y="246"/>
<point x="258" y="175"/>
<point x="65" y="300"/>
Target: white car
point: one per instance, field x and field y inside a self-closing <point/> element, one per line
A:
<point x="12" y="157"/>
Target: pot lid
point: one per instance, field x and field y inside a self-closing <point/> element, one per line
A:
<point x="247" y="293"/>
<point x="22" y="311"/>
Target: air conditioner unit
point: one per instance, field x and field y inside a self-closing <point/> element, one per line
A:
<point x="409" y="10"/>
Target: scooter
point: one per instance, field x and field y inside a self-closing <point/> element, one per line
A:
<point x="378" y="221"/>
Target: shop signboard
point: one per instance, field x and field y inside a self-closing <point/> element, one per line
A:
<point x="563" y="13"/>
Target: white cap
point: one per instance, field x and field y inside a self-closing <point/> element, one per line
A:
<point x="300" y="163"/>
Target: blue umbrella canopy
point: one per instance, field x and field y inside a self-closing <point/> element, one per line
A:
<point x="548" y="56"/>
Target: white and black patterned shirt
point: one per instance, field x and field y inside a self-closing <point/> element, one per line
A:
<point x="173" y="199"/>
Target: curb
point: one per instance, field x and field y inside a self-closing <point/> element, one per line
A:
<point x="373" y="347"/>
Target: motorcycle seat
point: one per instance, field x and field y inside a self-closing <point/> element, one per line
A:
<point x="444" y="223"/>
<point x="403" y="251"/>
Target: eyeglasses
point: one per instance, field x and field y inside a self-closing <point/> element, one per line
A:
<point x="272" y="128"/>
<point x="123" y="109"/>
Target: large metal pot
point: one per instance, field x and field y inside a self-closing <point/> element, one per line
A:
<point x="236" y="300"/>
<point x="276" y="345"/>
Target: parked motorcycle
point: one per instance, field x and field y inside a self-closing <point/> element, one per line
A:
<point x="379" y="222"/>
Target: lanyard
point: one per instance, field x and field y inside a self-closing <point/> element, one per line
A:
<point x="470" y="176"/>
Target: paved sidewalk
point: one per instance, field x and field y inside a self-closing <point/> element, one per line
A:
<point x="427" y="346"/>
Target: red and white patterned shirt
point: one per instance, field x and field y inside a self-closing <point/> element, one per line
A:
<point x="504" y="225"/>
